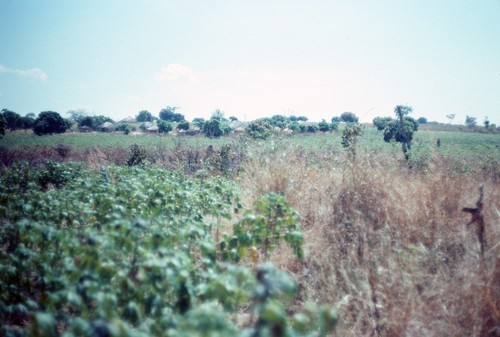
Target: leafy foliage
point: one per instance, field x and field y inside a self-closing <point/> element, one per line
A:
<point x="49" y="122"/>
<point x="259" y="129"/>
<point x="132" y="252"/>
<point x="144" y="116"/>
<point x="350" y="135"/>
<point x="184" y="125"/>
<point x="349" y="117"/>
<point x="470" y="121"/>
<point x="3" y="124"/>
<point x="164" y="126"/>
<point x="381" y="122"/>
<point x="137" y="156"/>
<point x="12" y="119"/>
<point x="168" y="114"/>
<point x="402" y="129"/>
<point x="213" y="128"/>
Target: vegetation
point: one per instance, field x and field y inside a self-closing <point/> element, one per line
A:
<point x="103" y="248"/>
<point x="401" y="129"/>
<point x="135" y="252"/>
<point x="49" y="122"/>
<point x="349" y="117"/>
<point x="144" y="116"/>
<point x="168" y="114"/>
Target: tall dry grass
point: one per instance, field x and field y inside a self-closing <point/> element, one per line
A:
<point x="386" y="244"/>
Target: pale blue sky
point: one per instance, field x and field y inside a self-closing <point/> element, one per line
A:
<point x="252" y="58"/>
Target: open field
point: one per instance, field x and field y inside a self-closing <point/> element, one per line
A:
<point x="385" y="242"/>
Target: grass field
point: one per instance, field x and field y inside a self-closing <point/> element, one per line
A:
<point x="386" y="242"/>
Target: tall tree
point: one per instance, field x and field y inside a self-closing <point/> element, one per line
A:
<point x="49" y="122"/>
<point x="168" y="114"/>
<point x="470" y="121"/>
<point x="402" y="128"/>
<point x="144" y="116"/>
<point x="12" y="119"/>
<point x="349" y="117"/>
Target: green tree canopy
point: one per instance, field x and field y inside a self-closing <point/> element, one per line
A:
<point x="168" y="114"/>
<point x="259" y="129"/>
<point x="213" y="128"/>
<point x="381" y="122"/>
<point x="401" y="129"/>
<point x="12" y="119"/>
<point x="164" y="126"/>
<point x="144" y="116"/>
<point x="49" y="122"/>
<point x="324" y="126"/>
<point x="470" y="121"/>
<point x="3" y="123"/>
<point x="184" y="125"/>
<point x="349" y="117"/>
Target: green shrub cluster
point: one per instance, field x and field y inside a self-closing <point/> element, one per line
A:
<point x="132" y="252"/>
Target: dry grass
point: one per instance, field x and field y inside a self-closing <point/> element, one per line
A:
<point x="387" y="245"/>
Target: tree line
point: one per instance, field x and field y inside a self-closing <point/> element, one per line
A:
<point x="169" y="118"/>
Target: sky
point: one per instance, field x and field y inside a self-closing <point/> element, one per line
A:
<point x="252" y="59"/>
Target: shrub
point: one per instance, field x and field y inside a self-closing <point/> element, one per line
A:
<point x="164" y="126"/>
<point x="213" y="128"/>
<point x="137" y="156"/>
<point x="259" y="129"/>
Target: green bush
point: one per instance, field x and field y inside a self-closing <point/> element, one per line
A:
<point x="134" y="254"/>
<point x="259" y="129"/>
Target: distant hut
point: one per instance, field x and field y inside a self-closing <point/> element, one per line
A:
<point x="107" y="127"/>
<point x="152" y="129"/>
<point x="128" y="120"/>
<point x="84" y="129"/>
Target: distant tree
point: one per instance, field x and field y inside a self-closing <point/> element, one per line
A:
<point x="218" y="115"/>
<point x="86" y="121"/>
<point x="336" y="119"/>
<point x="49" y="122"/>
<point x="450" y="117"/>
<point x="233" y="119"/>
<point x="259" y="129"/>
<point x="213" y="128"/>
<point x="381" y="122"/>
<point x="13" y="119"/>
<point x="486" y="122"/>
<point x="334" y="126"/>
<point x="3" y="124"/>
<point x="470" y="121"/>
<point x="168" y="114"/>
<point x="144" y="116"/>
<point x="98" y="120"/>
<point x="422" y="120"/>
<point x="293" y="118"/>
<point x="295" y="127"/>
<point x="312" y="128"/>
<point x="349" y="117"/>
<point x="302" y="118"/>
<point x="279" y="121"/>
<point x="124" y="127"/>
<point x="164" y="126"/>
<point x="77" y="115"/>
<point x="324" y="126"/>
<point x="184" y="125"/>
<point x="401" y="129"/>
<point x="198" y="122"/>
<point x="27" y="122"/>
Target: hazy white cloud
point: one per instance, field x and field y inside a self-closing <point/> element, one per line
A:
<point x="33" y="73"/>
<point x="175" y="72"/>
